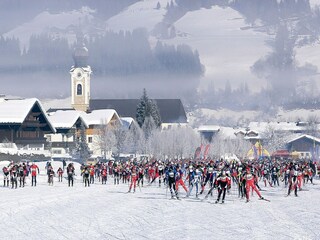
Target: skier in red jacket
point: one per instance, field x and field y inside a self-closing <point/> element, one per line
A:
<point x="104" y="173"/>
<point x="250" y="183"/>
<point x="134" y="177"/>
<point x="34" y="170"/>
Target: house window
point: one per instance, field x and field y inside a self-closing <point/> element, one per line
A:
<point x="79" y="89"/>
<point x="89" y="139"/>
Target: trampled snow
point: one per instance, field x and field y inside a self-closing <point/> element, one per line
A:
<point x="106" y="212"/>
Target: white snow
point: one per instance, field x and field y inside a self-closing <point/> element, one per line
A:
<point x="142" y="14"/>
<point x="106" y="212"/>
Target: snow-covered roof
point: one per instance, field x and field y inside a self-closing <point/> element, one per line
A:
<point x="209" y="128"/>
<point x="96" y="117"/>
<point x="127" y="121"/>
<point x="15" y="111"/>
<point x="277" y="126"/>
<point x="66" y="119"/>
<point x="305" y="136"/>
<point x="237" y="131"/>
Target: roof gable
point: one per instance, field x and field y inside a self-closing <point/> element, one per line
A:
<point x="305" y="136"/>
<point x="15" y="112"/>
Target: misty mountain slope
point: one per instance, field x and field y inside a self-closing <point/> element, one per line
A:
<point x="225" y="49"/>
<point x="54" y="23"/>
<point x="143" y="14"/>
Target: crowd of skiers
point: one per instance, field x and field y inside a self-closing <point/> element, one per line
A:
<point x="195" y="177"/>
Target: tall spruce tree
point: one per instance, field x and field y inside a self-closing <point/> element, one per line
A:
<point x="82" y="149"/>
<point x="147" y="108"/>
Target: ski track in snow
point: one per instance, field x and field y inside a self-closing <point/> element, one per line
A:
<point x="106" y="212"/>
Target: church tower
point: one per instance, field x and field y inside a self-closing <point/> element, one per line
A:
<point x="80" y="76"/>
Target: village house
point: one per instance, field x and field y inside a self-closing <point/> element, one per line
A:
<point x="24" y="123"/>
<point x="68" y="125"/>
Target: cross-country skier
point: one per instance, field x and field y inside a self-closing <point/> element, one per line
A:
<point x="86" y="175"/>
<point x="179" y="179"/>
<point x="171" y="180"/>
<point x="5" y="171"/>
<point x="266" y="176"/>
<point x="104" y="173"/>
<point x="70" y="172"/>
<point x="14" y="176"/>
<point x="50" y="175"/>
<point x="60" y="174"/>
<point x="21" y="174"/>
<point x="141" y="175"/>
<point x="34" y="171"/>
<point x="160" y="172"/>
<point x="134" y="178"/>
<point x="293" y="184"/>
<point x="116" y="173"/>
<point x="210" y="175"/>
<point x="92" y="173"/>
<point x="274" y="176"/>
<point x="223" y="182"/>
<point x="195" y="178"/>
<point x="250" y="183"/>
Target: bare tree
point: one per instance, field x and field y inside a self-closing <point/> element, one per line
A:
<point x="105" y="140"/>
<point x="312" y="127"/>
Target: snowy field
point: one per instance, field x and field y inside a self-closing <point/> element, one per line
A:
<point x="107" y="212"/>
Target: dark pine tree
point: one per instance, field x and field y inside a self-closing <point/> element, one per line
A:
<point x="147" y="108"/>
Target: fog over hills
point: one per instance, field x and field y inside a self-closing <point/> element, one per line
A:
<point x="235" y="54"/>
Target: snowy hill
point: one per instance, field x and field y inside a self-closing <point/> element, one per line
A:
<point x="50" y="23"/>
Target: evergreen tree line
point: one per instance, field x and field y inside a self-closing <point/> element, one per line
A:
<point x="113" y="53"/>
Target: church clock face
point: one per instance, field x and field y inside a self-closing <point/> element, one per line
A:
<point x="79" y="75"/>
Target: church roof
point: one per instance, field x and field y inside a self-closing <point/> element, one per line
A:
<point x="171" y="110"/>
